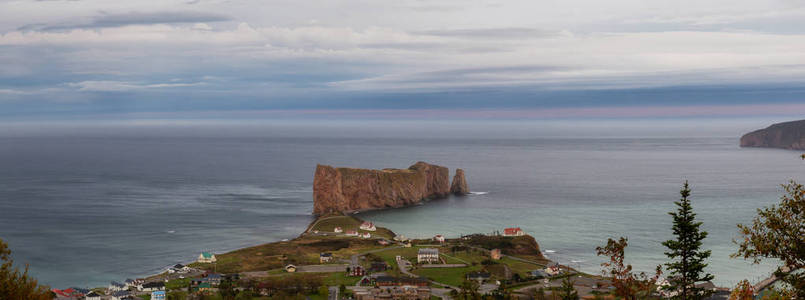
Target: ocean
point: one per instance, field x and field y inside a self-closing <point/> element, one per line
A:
<point x="84" y="205"/>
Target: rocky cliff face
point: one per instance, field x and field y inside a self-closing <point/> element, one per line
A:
<point x="459" y="185"/>
<point x="788" y="135"/>
<point x="350" y="190"/>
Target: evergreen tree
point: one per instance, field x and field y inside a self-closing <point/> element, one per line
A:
<point x="539" y="294"/>
<point x="567" y="291"/>
<point x="687" y="259"/>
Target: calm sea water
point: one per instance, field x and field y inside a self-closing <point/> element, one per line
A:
<point x="83" y="207"/>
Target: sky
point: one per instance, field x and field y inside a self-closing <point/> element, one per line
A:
<point x="234" y="59"/>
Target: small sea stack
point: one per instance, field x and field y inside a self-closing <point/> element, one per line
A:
<point x="459" y="185"/>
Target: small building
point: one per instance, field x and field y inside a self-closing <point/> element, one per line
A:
<point x="115" y="286"/>
<point x="152" y="286"/>
<point x="352" y="233"/>
<point x="394" y="292"/>
<point x="290" y="268"/>
<point x="379" y="266"/>
<point x="158" y="295"/>
<point x="130" y="283"/>
<point x="368" y="226"/>
<point x="366" y="235"/>
<point x="356" y="271"/>
<point x="206" y="258"/>
<point x="92" y="296"/>
<point x="553" y="269"/>
<point x="439" y="238"/>
<point x="338" y="230"/>
<point x="179" y="268"/>
<point x="204" y="287"/>
<point x="325" y="257"/>
<point x="122" y="295"/>
<point x="429" y="255"/>
<point x="213" y="278"/>
<point x="400" y="238"/>
<point x="495" y="254"/>
<point x="515" y="231"/>
<point x="383" y="242"/>
<point x="478" y="276"/>
<point x="69" y="293"/>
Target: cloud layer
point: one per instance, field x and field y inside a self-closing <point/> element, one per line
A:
<point x="62" y="57"/>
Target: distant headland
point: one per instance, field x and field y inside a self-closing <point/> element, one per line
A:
<point x="786" y="135"/>
<point x="345" y="190"/>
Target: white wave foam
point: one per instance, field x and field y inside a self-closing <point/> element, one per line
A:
<point x="550" y="251"/>
<point x="479" y="193"/>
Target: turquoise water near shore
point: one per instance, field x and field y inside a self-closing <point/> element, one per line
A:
<point x="90" y="206"/>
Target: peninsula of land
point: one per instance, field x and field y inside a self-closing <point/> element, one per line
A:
<point x="787" y="135"/>
<point x="347" y="190"/>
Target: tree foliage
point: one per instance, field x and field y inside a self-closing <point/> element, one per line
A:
<point x="567" y="291"/>
<point x="627" y="285"/>
<point x="743" y="291"/>
<point x="687" y="259"/>
<point x="778" y="231"/>
<point x="15" y="284"/>
<point x="469" y="290"/>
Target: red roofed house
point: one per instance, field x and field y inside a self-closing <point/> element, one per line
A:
<point x="513" y="232"/>
<point x="368" y="226"/>
<point x="67" y="294"/>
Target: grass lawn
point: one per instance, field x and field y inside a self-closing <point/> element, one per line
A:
<point x="327" y="224"/>
<point x="339" y="278"/>
<point x="520" y="267"/>
<point x="450" y="276"/>
<point x="177" y="284"/>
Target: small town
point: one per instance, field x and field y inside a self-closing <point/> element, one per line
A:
<point x="343" y="257"/>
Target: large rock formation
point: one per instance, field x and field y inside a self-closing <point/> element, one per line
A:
<point x="788" y="135"/>
<point x="459" y="185"/>
<point x="350" y="190"/>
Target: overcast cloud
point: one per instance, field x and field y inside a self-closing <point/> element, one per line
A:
<point x="89" y="57"/>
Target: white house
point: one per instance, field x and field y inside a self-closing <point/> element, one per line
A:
<point x="368" y="226"/>
<point x="121" y="295"/>
<point x="325" y="257"/>
<point x="115" y="286"/>
<point x="206" y="257"/>
<point x="429" y="255"/>
<point x="152" y="286"/>
<point x="338" y="230"/>
<point x="439" y="238"/>
<point x="92" y="296"/>
<point x="290" y="268"/>
<point x="366" y="235"/>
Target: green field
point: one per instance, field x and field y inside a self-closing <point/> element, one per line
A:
<point x="328" y="224"/>
<point x="451" y="276"/>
